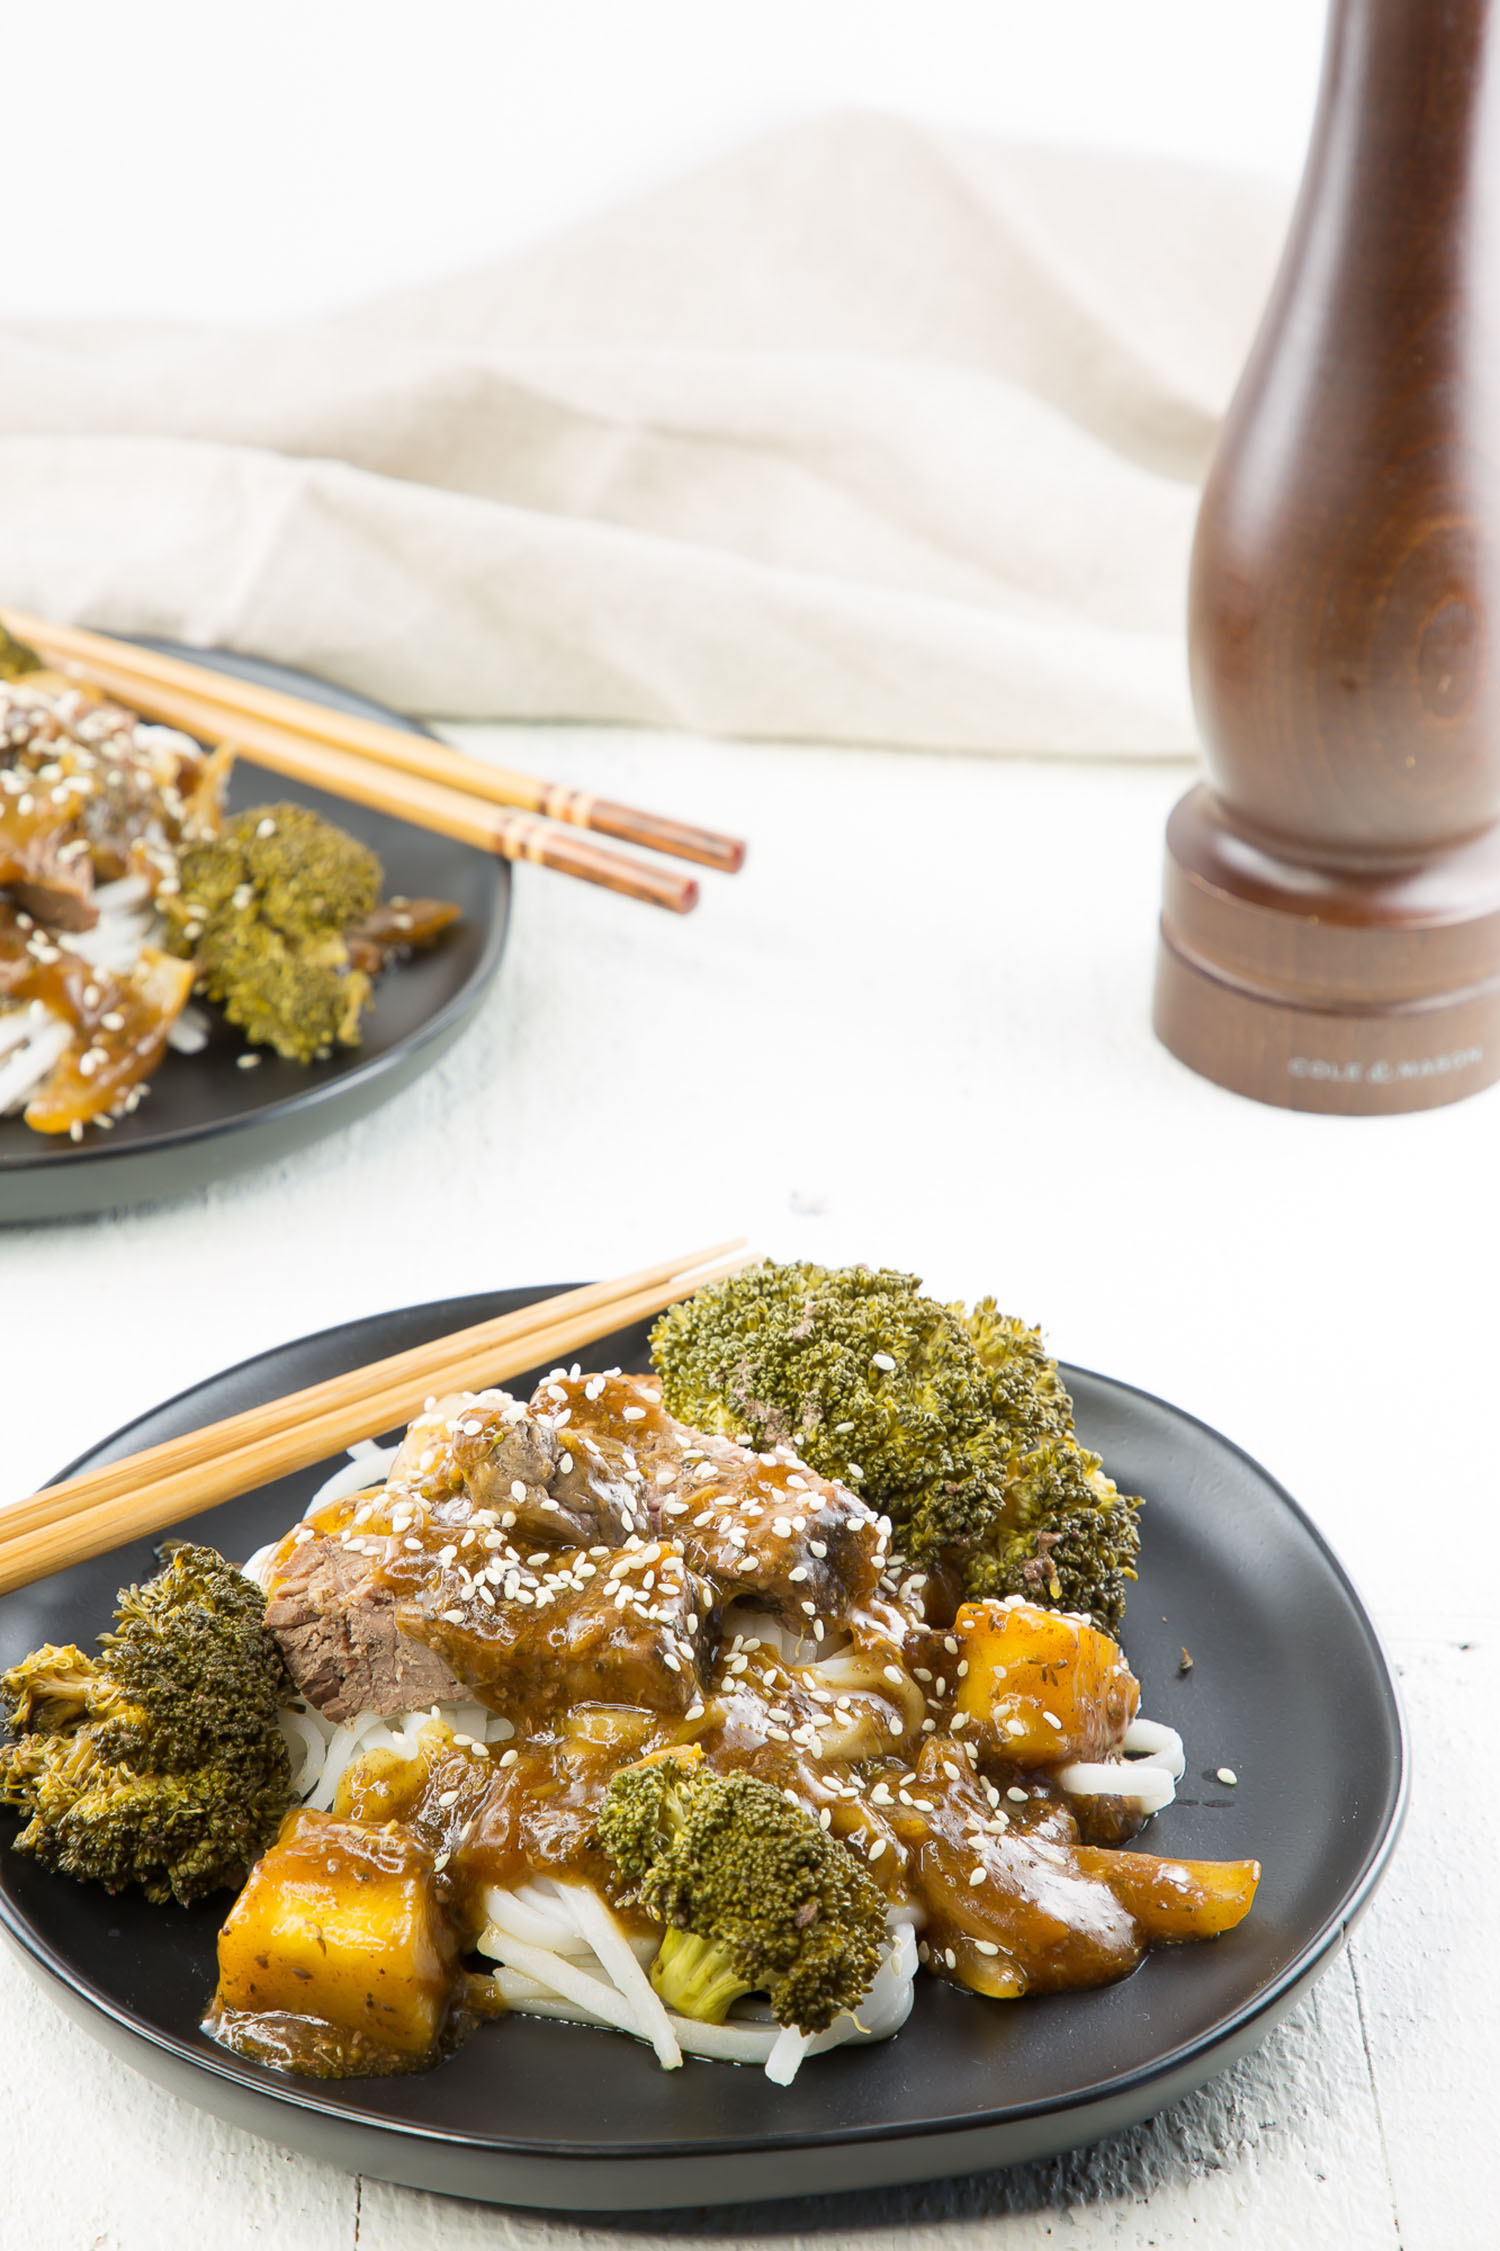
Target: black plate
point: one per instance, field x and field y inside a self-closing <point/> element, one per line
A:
<point x="1288" y="1687"/>
<point x="205" y="1117"/>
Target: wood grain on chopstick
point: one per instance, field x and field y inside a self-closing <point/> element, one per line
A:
<point x="389" y="746"/>
<point x="432" y="805"/>
<point x="144" y="1493"/>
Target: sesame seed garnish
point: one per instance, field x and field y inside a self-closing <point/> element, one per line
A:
<point x="1227" y="1774"/>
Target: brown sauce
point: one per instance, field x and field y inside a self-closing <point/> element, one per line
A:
<point x="931" y="1752"/>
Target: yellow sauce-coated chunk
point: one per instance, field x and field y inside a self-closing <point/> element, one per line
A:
<point x="1042" y="1687"/>
<point x="344" y="1924"/>
<point x="1173" y="1900"/>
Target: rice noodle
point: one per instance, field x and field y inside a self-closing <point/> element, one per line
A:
<point x="188" y="1033"/>
<point x="521" y="1921"/>
<point x="45" y="1044"/>
<point x="367" y="1469"/>
<point x="343" y="1745"/>
<point x="124" y="926"/>
<point x="787" y="2050"/>
<point x="1148" y="1786"/>
<point x="307" y="1745"/>
<point x="19" y="1023"/>
<point x="593" y="1921"/>
<point x="125" y="891"/>
<point x="1163" y="1743"/>
<point x="1148" y="1775"/>
<point x="599" y="2000"/>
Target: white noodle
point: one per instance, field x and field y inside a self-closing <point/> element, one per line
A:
<point x="255" y="1566"/>
<point x="308" y="1747"/>
<point x="126" y="891"/>
<point x="367" y="1470"/>
<point x="536" y="1920"/>
<point x="188" y="1034"/>
<point x="340" y="1755"/>
<point x="595" y="1923"/>
<point x="543" y="1909"/>
<point x="46" y="1044"/>
<point x="785" y="2060"/>
<point x="18" y="1024"/>
<point x="1150" y="1787"/>
<point x="1162" y="1742"/>
<point x="565" y="1978"/>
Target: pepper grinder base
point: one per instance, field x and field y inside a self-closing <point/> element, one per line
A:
<point x="1361" y="992"/>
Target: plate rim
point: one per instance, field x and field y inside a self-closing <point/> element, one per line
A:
<point x="1300" y="1969"/>
<point x="57" y="1154"/>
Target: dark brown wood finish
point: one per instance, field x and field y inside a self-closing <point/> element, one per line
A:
<point x="1331" y="915"/>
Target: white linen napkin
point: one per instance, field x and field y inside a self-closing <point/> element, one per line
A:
<point x="866" y="433"/>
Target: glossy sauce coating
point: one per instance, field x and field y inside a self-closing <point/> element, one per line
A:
<point x="932" y="1753"/>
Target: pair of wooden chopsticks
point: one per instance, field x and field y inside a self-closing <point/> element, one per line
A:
<point x="84" y="1516"/>
<point x="385" y="767"/>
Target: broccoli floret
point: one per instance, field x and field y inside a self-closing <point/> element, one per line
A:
<point x="870" y="1381"/>
<point x="263" y="907"/>
<point x="956" y="1424"/>
<point x="161" y="1762"/>
<point x="1027" y="1395"/>
<point x="756" y="1897"/>
<point x="1072" y="1539"/>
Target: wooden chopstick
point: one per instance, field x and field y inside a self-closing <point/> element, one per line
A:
<point x="388" y="746"/>
<point x="432" y="805"/>
<point x="143" y="1493"/>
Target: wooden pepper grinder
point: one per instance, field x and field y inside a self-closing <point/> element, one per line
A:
<point x="1330" y="934"/>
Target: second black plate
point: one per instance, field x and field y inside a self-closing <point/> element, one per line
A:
<point x="204" y="1116"/>
<point x="1288" y="1688"/>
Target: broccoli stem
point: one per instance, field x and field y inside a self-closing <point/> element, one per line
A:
<point x="696" y="1977"/>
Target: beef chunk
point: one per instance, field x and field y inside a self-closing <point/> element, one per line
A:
<point x="336" y="1623"/>
<point x="761" y="1526"/>
<point x="537" y="1635"/>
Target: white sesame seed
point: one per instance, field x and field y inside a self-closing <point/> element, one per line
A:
<point x="1227" y="1774"/>
<point x="1016" y="1797"/>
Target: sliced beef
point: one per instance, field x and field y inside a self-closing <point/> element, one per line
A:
<point x="761" y="1526"/>
<point x="336" y="1623"/>
<point x="533" y="1637"/>
<point x="518" y="1461"/>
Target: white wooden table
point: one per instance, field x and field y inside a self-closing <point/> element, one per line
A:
<point x="916" y="1032"/>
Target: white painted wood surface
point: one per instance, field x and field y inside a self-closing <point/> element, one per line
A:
<point x="915" y="1031"/>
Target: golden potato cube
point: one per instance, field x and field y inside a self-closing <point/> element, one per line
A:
<point x="343" y="1923"/>
<point x="1042" y="1687"/>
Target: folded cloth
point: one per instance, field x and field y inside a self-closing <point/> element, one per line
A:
<point x="866" y="433"/>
